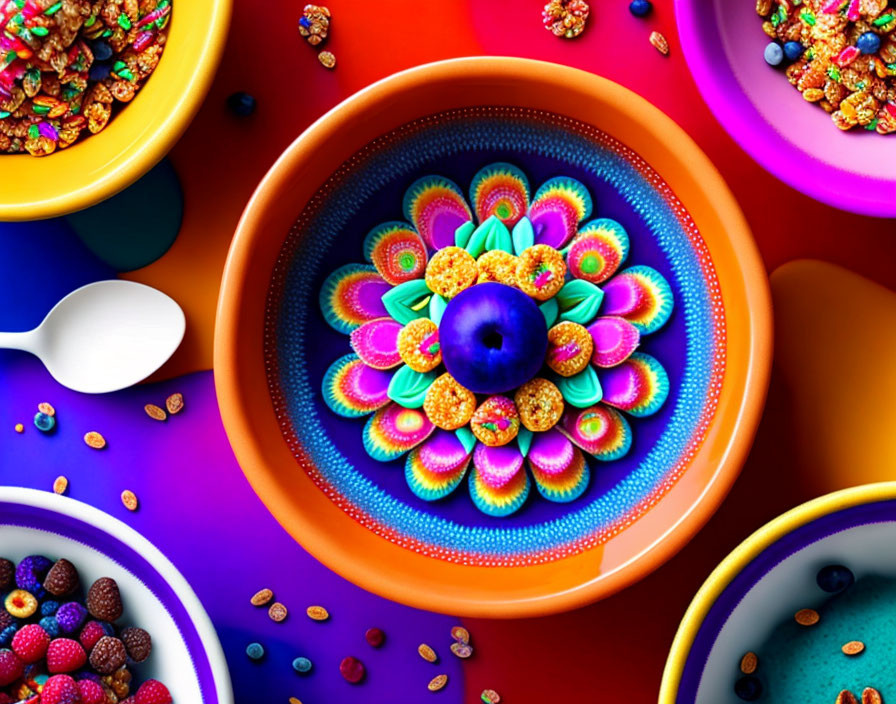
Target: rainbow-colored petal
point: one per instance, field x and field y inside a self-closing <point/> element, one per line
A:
<point x="600" y="431"/>
<point x="397" y="252"/>
<point x="436" y="207"/>
<point x="557" y="209"/>
<point x="615" y="339"/>
<point x="435" y="468"/>
<point x="498" y="483"/>
<point x="376" y="343"/>
<point x="501" y="190"/>
<point x="641" y="295"/>
<point x="352" y="389"/>
<point x="558" y="467"/>
<point x="394" y="430"/>
<point x="638" y="386"/>
<point x="351" y="296"/>
<point x="598" y="251"/>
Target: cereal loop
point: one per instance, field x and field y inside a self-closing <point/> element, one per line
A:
<point x="449" y="405"/>
<point x="450" y="271"/>
<point x="539" y="272"/>
<point x="418" y="345"/>
<point x="496" y="422"/>
<point x="540" y="405"/>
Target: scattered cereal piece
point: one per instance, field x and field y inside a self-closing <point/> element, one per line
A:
<point x="352" y="669"/>
<point x="375" y="637"/>
<point x="277" y="612"/>
<point x="854" y="647"/>
<point x="293" y="700"/>
<point x="565" y="18"/>
<point x="95" y="440"/>
<point x="462" y="650"/>
<point x="317" y="613"/>
<point x="427" y="653"/>
<point x="490" y="696"/>
<point x="60" y="485"/>
<point x="43" y="422"/>
<point x="20" y="428"/>
<point x="314" y="25"/>
<point x="155" y="412"/>
<point x="806" y="617"/>
<point x="129" y="499"/>
<point x="327" y="59"/>
<point x="302" y="665"/>
<point x="175" y="403"/>
<point x="436" y="683"/>
<point x="871" y="696"/>
<point x="460" y="634"/>
<point x="261" y="597"/>
<point x="749" y="662"/>
<point x="659" y="42"/>
<point x="46" y="408"/>
<point x="846" y="697"/>
<point x="255" y="651"/>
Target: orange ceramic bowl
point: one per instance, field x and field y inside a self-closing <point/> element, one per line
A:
<point x="339" y="145"/>
<point x="139" y="135"/>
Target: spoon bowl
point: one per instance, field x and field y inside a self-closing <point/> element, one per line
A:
<point x="104" y="336"/>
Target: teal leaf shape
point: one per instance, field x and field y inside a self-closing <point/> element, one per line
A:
<point x="579" y="301"/>
<point x="408" y="301"/>
<point x="523" y="235"/>
<point x="408" y="388"/>
<point x="580" y="390"/>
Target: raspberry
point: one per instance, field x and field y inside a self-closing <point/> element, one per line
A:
<point x="30" y="573"/>
<point x="91" y="692"/>
<point x="65" y="655"/>
<point x="108" y="655"/>
<point x="60" y="689"/>
<point x="30" y="643"/>
<point x="104" y="600"/>
<point x="137" y="642"/>
<point x="62" y="578"/>
<point x="7" y="574"/>
<point x="152" y="692"/>
<point x="70" y="616"/>
<point x="11" y="668"/>
<point x="91" y="633"/>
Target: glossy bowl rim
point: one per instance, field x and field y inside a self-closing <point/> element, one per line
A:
<point x="164" y="136"/>
<point x="123" y="533"/>
<point x="738" y="559"/>
<point x="382" y="582"/>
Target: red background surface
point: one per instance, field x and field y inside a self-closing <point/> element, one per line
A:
<point x="611" y="651"/>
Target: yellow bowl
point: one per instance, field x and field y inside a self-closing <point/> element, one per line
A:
<point x="137" y="137"/>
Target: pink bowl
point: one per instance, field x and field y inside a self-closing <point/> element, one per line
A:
<point x="723" y="43"/>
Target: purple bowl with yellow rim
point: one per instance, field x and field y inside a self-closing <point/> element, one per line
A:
<point x="723" y="44"/>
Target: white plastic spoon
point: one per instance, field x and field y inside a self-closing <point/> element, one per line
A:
<point x="104" y="336"/>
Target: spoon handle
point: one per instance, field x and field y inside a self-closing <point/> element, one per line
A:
<point x="17" y="341"/>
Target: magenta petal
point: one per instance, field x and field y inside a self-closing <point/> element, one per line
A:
<point x="443" y="453"/>
<point x="497" y="465"/>
<point x="551" y="452"/>
<point x="623" y="295"/>
<point x="376" y="343"/>
<point x="614" y="340"/>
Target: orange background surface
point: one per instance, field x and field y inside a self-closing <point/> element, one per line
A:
<point x="814" y="437"/>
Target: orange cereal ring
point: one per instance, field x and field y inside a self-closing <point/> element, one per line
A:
<point x="450" y="271"/>
<point x="498" y="266"/>
<point x="540" y="405"/>
<point x="540" y="271"/>
<point x="418" y="345"/>
<point x="448" y="405"/>
<point x="496" y="421"/>
<point x="570" y="346"/>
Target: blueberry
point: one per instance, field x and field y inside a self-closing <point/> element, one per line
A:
<point x="301" y="665"/>
<point x="48" y="608"/>
<point x="7" y="633"/>
<point x="748" y="688"/>
<point x="50" y="625"/>
<point x="793" y="50"/>
<point x="640" y="8"/>
<point x="774" y="54"/>
<point x="44" y="423"/>
<point x="101" y="50"/>
<point x="834" y="578"/>
<point x="255" y="651"/>
<point x="868" y="43"/>
<point x="99" y="72"/>
<point x="241" y="104"/>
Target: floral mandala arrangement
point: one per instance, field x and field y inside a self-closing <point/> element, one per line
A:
<point x="508" y="343"/>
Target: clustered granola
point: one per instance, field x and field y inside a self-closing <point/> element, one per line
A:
<point x="65" y="63"/>
<point x="848" y="65"/>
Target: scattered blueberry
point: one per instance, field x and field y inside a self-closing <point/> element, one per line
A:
<point x="241" y="104"/>
<point x="99" y="72"/>
<point x="301" y="665"/>
<point x="48" y="608"/>
<point x="834" y="578"/>
<point x="101" y="50"/>
<point x="50" y="625"/>
<point x="640" y="8"/>
<point x="793" y="50"/>
<point x="774" y="54"/>
<point x="748" y="688"/>
<point x="868" y="43"/>
<point x="44" y="423"/>
<point x="255" y="651"/>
